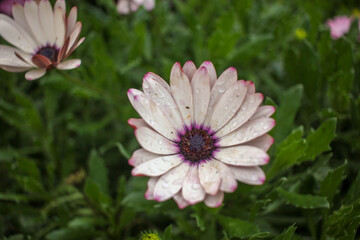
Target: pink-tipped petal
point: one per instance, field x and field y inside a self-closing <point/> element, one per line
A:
<point x="182" y="93"/>
<point x="214" y="201"/>
<point x="249" y="175"/>
<point x="180" y="201"/>
<point x="60" y="4"/>
<point x="209" y="177"/>
<point x="157" y="166"/>
<point x="247" y="132"/>
<point x="228" y="181"/>
<point x="163" y="99"/>
<point x="69" y="64"/>
<point x="71" y="20"/>
<point x="136" y="123"/>
<point x="74" y="36"/>
<point x="189" y="69"/>
<point x="60" y="28"/>
<point x="149" y="194"/>
<point x="154" y="142"/>
<point x="201" y="94"/>
<point x="264" y="142"/>
<point x="140" y="156"/>
<point x="245" y="112"/>
<point x="263" y="112"/>
<point x="192" y="191"/>
<point x="242" y="156"/>
<point x="170" y="183"/>
<point x="228" y="105"/>
<point x="158" y="79"/>
<point x="211" y="71"/>
<point x="226" y="79"/>
<point x="151" y="114"/>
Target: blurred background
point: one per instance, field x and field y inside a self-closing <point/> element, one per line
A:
<point x="65" y="141"/>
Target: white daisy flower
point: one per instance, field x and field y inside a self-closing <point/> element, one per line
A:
<point x="127" y="6"/>
<point x="200" y="135"/>
<point x="42" y="38"/>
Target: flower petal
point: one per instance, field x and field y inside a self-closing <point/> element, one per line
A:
<point x="226" y="79"/>
<point x="209" y="177"/>
<point x="211" y="71"/>
<point x="71" y="21"/>
<point x="158" y="79"/>
<point x="31" y="10"/>
<point x="35" y="74"/>
<point x="59" y="24"/>
<point x="15" y="34"/>
<point x="74" y="36"/>
<point x="249" y="175"/>
<point x="149" y="4"/>
<point x="263" y="142"/>
<point x="154" y="142"/>
<point x="136" y="123"/>
<point x="189" y="69"/>
<point x="157" y="166"/>
<point x="249" y="131"/>
<point x="170" y="183"/>
<point x="180" y="201"/>
<point x="246" y="110"/>
<point x="149" y="194"/>
<point x="242" y="156"/>
<point x="201" y="94"/>
<point x="140" y="156"/>
<point x="151" y="114"/>
<point x="192" y="191"/>
<point x="182" y="93"/>
<point x="69" y="64"/>
<point x="263" y="112"/>
<point x="14" y="69"/>
<point x="46" y="15"/>
<point x="60" y="4"/>
<point x="251" y="87"/>
<point x="214" y="201"/>
<point x="228" y="105"/>
<point x="9" y="58"/>
<point x="19" y="16"/>
<point x="228" y="182"/>
<point x="163" y="99"/>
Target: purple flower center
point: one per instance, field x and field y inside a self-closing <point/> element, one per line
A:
<point x="50" y="52"/>
<point x="197" y="145"/>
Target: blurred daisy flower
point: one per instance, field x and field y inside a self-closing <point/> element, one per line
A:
<point x="200" y="135"/>
<point x="339" y="26"/>
<point x="127" y="6"/>
<point x="43" y="38"/>
<point x="6" y="6"/>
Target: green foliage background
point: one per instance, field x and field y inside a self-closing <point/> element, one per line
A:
<point x="64" y="139"/>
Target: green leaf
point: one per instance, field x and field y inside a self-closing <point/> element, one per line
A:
<point x="303" y="201"/>
<point x="96" y="195"/>
<point x="238" y="228"/>
<point x="287" y="156"/>
<point x="342" y="220"/>
<point x="287" y="234"/>
<point x="285" y="113"/>
<point x="319" y="140"/>
<point x="98" y="171"/>
<point x="332" y="181"/>
<point x="167" y="233"/>
<point x="123" y="151"/>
